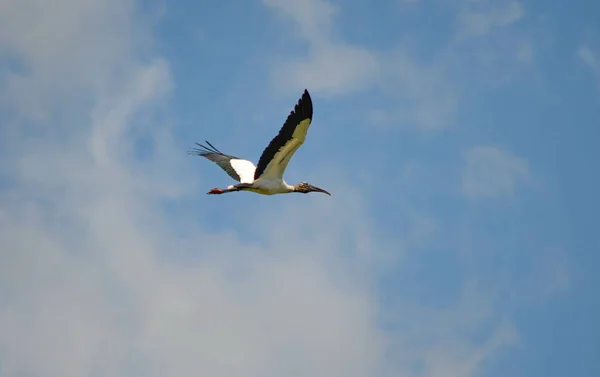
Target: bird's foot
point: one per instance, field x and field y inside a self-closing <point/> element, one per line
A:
<point x="215" y="191"/>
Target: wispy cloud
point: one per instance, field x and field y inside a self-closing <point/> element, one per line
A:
<point x="428" y="91"/>
<point x="48" y="54"/>
<point x="331" y="65"/>
<point x="335" y="67"/>
<point x="590" y="59"/>
<point x="427" y="98"/>
<point x="480" y="17"/>
<point x="491" y="172"/>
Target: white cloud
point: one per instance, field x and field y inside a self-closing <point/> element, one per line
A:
<point x="94" y="277"/>
<point x="428" y="91"/>
<point x="492" y="172"/>
<point x="551" y="275"/>
<point x="425" y="96"/>
<point x="312" y="17"/>
<point x="334" y="69"/>
<point x="50" y="55"/>
<point x="429" y="99"/>
<point x="590" y="59"/>
<point x="525" y="52"/>
<point x="495" y="51"/>
<point x="109" y="302"/>
<point x="479" y="18"/>
<point x="331" y="66"/>
<point x="434" y="344"/>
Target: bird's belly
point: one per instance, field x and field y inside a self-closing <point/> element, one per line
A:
<point x="269" y="187"/>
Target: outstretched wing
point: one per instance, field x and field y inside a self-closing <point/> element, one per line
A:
<point x="277" y="154"/>
<point x="237" y="168"/>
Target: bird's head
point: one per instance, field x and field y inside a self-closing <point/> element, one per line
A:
<point x="305" y="188"/>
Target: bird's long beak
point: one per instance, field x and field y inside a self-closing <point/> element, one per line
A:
<point x="317" y="189"/>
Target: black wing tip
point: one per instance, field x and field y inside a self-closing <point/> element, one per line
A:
<point x="198" y="152"/>
<point x="203" y="150"/>
<point x="306" y="97"/>
<point x="304" y="107"/>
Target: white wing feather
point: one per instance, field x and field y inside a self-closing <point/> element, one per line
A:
<point x="245" y="169"/>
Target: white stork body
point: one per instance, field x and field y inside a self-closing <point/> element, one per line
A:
<point x="267" y="177"/>
<point x="268" y="187"/>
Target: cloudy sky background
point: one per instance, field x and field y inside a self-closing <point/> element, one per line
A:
<point x="457" y="137"/>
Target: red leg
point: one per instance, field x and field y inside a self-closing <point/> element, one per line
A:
<point x="215" y="191"/>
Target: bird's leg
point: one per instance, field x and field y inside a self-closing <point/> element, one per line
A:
<point x="215" y="191"/>
<point x="218" y="191"/>
<point x="238" y="187"/>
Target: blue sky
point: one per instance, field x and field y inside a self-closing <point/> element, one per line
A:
<point x="456" y="136"/>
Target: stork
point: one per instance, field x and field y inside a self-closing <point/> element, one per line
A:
<point x="267" y="177"/>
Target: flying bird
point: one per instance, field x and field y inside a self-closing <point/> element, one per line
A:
<point x="267" y="177"/>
